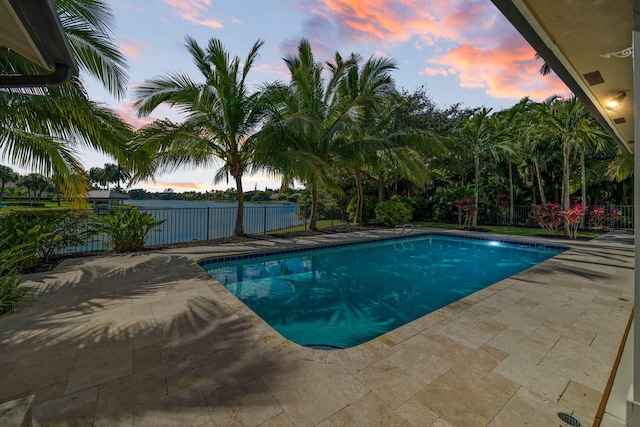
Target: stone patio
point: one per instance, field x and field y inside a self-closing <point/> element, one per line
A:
<point x="150" y="339"/>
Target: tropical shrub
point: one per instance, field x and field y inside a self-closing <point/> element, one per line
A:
<point x="572" y="218"/>
<point x="127" y="229"/>
<point x="597" y="217"/>
<point x="12" y="293"/>
<point x="422" y="210"/>
<point x="549" y="216"/>
<point x="23" y="236"/>
<point x="444" y="202"/>
<point x="46" y="233"/>
<point x="392" y="212"/>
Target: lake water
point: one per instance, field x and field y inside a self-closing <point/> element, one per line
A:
<point x="186" y="221"/>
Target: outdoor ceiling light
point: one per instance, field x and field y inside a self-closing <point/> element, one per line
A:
<point x="614" y="103"/>
<point x="32" y="29"/>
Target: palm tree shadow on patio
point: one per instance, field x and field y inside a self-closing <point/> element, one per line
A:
<point x="134" y="337"/>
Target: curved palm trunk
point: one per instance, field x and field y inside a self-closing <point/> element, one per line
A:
<point x="566" y="151"/>
<point x="511" y="193"/>
<point x="583" y="178"/>
<point x="238" y="229"/>
<point x="543" y="199"/>
<point x="313" y="218"/>
<point x="474" y="223"/>
<point x="358" y="217"/>
<point x="381" y="195"/>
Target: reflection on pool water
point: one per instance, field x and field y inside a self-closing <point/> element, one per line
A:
<point x="343" y="296"/>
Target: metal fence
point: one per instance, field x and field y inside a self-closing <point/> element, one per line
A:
<point x="184" y="225"/>
<point x="617" y="216"/>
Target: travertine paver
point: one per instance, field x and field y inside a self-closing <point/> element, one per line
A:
<point x="151" y="339"/>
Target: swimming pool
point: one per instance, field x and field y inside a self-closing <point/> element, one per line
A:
<point x="345" y="295"/>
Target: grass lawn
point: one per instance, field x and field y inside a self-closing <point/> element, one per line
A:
<point x="511" y="230"/>
<point x="47" y="206"/>
<point x="321" y="224"/>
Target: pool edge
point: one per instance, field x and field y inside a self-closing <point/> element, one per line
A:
<point x="388" y="340"/>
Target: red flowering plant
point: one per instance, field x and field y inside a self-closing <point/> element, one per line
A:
<point x="600" y="216"/>
<point x="548" y="216"/>
<point x="572" y="217"/>
<point x="468" y="208"/>
<point x="597" y="217"/>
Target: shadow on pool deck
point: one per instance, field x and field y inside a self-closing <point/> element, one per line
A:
<point x="151" y="339"/>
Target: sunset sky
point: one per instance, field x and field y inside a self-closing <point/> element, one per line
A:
<point x="461" y="50"/>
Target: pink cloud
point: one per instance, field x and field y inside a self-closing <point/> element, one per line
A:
<point x="128" y="114"/>
<point x="471" y="39"/>
<point x="132" y="49"/>
<point x="506" y="72"/>
<point x="278" y="69"/>
<point x="160" y="185"/>
<point x="430" y="71"/>
<point x="195" y="12"/>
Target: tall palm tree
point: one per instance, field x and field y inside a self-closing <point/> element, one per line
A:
<point x="569" y="123"/>
<point x="369" y="87"/>
<point x="45" y="126"/>
<point x="6" y="175"/>
<point x="511" y="122"/>
<point x="595" y="141"/>
<point x="221" y="118"/>
<point x="306" y="117"/>
<point x="484" y="138"/>
<point x="536" y="145"/>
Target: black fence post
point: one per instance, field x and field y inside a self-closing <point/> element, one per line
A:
<point x="208" y="220"/>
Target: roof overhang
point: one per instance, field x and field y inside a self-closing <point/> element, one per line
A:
<point x="32" y="29"/>
<point x="588" y="45"/>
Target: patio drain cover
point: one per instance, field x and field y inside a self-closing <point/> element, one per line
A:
<point x="568" y="419"/>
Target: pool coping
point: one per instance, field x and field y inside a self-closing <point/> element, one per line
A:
<point x="385" y="341"/>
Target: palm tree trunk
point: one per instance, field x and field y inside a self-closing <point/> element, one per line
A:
<point x="583" y="178"/>
<point x="543" y="199"/>
<point x="313" y="218"/>
<point x="476" y="193"/>
<point x="566" y="151"/>
<point x="238" y="229"/>
<point x="511" y="193"/>
<point x="380" y="187"/>
<point x="358" y="217"/>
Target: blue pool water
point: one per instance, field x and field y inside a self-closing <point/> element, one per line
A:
<point x="343" y="296"/>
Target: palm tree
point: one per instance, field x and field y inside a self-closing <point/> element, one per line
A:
<point x="6" y="175"/>
<point x="595" y="140"/>
<point x="621" y="167"/>
<point x="569" y="123"/>
<point x="511" y="123"/>
<point x="221" y="118"/>
<point x="305" y="119"/>
<point x="44" y="127"/>
<point x="534" y="144"/>
<point x="545" y="69"/>
<point x="35" y="183"/>
<point x="481" y="135"/>
<point x="98" y="177"/>
<point x="368" y="87"/>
